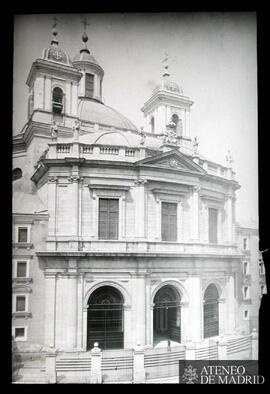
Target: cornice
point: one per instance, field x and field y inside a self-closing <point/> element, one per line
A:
<point x="41" y="65"/>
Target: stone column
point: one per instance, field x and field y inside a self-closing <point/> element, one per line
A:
<point x="190" y="350"/>
<point x="50" y="366"/>
<point x="158" y="219"/>
<point x="140" y="216"/>
<point x="195" y="213"/>
<point x="71" y="329"/>
<point x="52" y="199"/>
<point x="230" y="304"/>
<point x="80" y="312"/>
<point x="50" y="299"/>
<point x="148" y="311"/>
<point x="254" y="344"/>
<point x="74" y="102"/>
<point x="140" y="309"/>
<point x="68" y="98"/>
<point x="195" y="308"/>
<point x="48" y="94"/>
<point x="74" y="217"/>
<point x="222" y="348"/>
<point x="84" y="327"/>
<point x="184" y="322"/>
<point x="138" y="365"/>
<point x="39" y="93"/>
<point x="229" y="218"/>
<point x="96" y="359"/>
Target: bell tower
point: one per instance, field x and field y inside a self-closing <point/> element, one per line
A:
<point x="168" y="106"/>
<point x="53" y="85"/>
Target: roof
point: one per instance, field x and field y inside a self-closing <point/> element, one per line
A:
<point x="85" y="56"/>
<point x="91" y="111"/>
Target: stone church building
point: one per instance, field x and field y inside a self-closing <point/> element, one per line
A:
<point x="121" y="236"/>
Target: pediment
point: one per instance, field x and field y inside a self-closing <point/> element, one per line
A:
<point x="172" y="160"/>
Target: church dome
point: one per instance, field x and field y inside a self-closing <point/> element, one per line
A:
<point x="170" y="86"/>
<point x="85" y="56"/>
<point x="94" y="112"/>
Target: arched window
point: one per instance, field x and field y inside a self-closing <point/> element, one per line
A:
<point x="152" y="123"/>
<point x="57" y="101"/>
<point x="16" y="174"/>
<point x="211" y="311"/>
<point x="178" y="124"/>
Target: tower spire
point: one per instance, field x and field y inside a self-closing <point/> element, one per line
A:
<point x="85" y="23"/>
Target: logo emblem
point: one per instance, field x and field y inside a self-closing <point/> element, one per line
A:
<point x="190" y="374"/>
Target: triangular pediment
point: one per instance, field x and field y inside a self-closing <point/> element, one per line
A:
<point x="172" y="160"/>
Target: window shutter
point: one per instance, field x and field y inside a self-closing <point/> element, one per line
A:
<point x="89" y="85"/>
<point x="22" y="234"/>
<point x="169" y="221"/>
<point x="21" y="269"/>
<point x="20" y="304"/>
<point x="108" y="218"/>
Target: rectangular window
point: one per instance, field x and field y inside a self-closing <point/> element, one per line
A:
<point x="20" y="304"/>
<point x="244" y="243"/>
<point x="108" y="218"/>
<point x="261" y="268"/>
<point x="89" y="85"/>
<point x="21" y="269"/>
<point x="22" y="234"/>
<point x="246" y="292"/>
<point x="169" y="221"/>
<point x="246" y="315"/>
<point x="245" y="267"/>
<point x="212" y="225"/>
<point x="19" y="332"/>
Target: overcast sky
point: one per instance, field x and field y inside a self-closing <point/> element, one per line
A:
<point x="211" y="55"/>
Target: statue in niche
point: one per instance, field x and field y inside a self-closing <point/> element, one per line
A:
<point x="76" y="128"/>
<point x="54" y="130"/>
<point x="170" y="134"/>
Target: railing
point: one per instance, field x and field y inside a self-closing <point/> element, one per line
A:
<point x="239" y="348"/>
<point x="130" y="152"/>
<point x="63" y="148"/>
<point x="86" y="149"/>
<point x="108" y="150"/>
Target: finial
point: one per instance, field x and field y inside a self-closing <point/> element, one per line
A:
<point x="54" y="31"/>
<point x="166" y="65"/>
<point x="85" y="36"/>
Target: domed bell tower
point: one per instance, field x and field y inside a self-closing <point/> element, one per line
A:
<point x="53" y="86"/>
<point x="90" y="86"/>
<point x="166" y="107"/>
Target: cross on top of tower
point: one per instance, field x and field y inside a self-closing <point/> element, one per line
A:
<point x="166" y="65"/>
<point x="85" y="23"/>
<point x="54" y="31"/>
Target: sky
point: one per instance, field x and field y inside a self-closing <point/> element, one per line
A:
<point x="212" y="56"/>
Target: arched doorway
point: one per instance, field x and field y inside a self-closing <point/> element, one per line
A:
<point x="210" y="311"/>
<point x="167" y="315"/>
<point x="105" y="318"/>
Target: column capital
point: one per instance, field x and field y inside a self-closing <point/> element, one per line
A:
<point x="196" y="188"/>
<point x="75" y="178"/>
<point x="52" y="179"/>
<point x="140" y="182"/>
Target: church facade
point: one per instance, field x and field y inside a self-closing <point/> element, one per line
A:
<point x="120" y="236"/>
